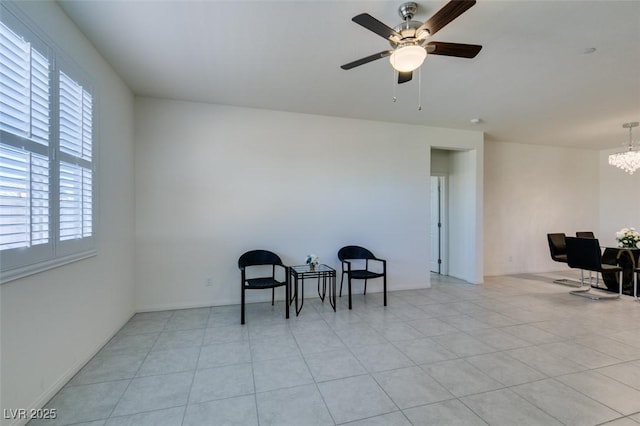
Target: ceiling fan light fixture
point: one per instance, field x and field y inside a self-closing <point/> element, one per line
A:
<point x="408" y="58"/>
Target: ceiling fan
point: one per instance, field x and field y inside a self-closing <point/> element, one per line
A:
<point x="410" y="39"/>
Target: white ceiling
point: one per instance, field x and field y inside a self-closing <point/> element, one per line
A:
<point x="531" y="83"/>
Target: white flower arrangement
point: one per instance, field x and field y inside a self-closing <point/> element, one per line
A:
<point x="628" y="237"/>
<point x="312" y="259"/>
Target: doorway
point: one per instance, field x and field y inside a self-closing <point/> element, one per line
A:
<point x="437" y="227"/>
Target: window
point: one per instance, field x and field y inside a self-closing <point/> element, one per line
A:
<point x="47" y="176"/>
<point x="75" y="175"/>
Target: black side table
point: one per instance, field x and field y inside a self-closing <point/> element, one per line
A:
<point x="324" y="274"/>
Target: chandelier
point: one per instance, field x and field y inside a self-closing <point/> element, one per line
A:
<point x="629" y="160"/>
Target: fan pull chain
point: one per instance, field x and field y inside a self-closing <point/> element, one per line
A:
<point x="420" y="89"/>
<point x="393" y="82"/>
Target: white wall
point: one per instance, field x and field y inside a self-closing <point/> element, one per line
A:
<point x="531" y="191"/>
<point x="465" y="216"/>
<point x="619" y="199"/>
<point x="440" y="160"/>
<point x="53" y="322"/>
<point x="214" y="181"/>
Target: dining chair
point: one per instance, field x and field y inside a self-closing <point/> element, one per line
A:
<point x="558" y="247"/>
<point x="260" y="270"/>
<point x="585" y="254"/>
<point x="585" y="234"/>
<point x="359" y="263"/>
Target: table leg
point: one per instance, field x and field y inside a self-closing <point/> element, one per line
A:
<point x="332" y="291"/>
<point x="302" y="294"/>
<point x="293" y="292"/>
<point x="295" y="297"/>
<point x="287" y="291"/>
<point x="324" y="286"/>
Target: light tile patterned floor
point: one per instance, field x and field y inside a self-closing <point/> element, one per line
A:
<point x="517" y="350"/>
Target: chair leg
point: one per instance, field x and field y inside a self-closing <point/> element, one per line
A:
<point x="365" y="286"/>
<point x="273" y="295"/>
<point x="341" y="279"/>
<point x="349" y="279"/>
<point x="242" y="306"/>
<point x="384" y="288"/>
<point x="582" y="291"/>
<point x="635" y="285"/>
<point x="621" y="283"/>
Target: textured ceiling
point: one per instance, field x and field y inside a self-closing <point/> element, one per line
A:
<point x="531" y="83"/>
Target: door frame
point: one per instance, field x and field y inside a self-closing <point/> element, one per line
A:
<point x="443" y="218"/>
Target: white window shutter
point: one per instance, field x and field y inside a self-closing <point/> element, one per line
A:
<point x="46" y="185"/>
<point x="24" y="198"/>
<point x="15" y="70"/>
<point x="24" y="88"/>
<point x="76" y="176"/>
<point x="76" y="202"/>
<point x="24" y="112"/>
<point x="39" y="98"/>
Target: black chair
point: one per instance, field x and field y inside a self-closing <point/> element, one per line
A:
<point x="257" y="262"/>
<point x="558" y="247"/>
<point x="357" y="263"/>
<point x="585" y="234"/>
<point x="585" y="254"/>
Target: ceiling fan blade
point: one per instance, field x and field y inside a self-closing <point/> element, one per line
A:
<point x="453" y="49"/>
<point x="366" y="60"/>
<point x="403" y="77"/>
<point x="372" y="24"/>
<point x="448" y="13"/>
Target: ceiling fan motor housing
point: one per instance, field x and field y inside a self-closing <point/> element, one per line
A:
<point x="407" y="10"/>
<point x="409" y="29"/>
<point x="410" y="35"/>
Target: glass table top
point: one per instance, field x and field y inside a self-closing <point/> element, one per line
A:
<point x="306" y="269"/>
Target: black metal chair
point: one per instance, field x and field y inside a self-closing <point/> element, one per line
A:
<point x="358" y="263"/>
<point x="585" y="254"/>
<point x="558" y="247"/>
<point x="256" y="275"/>
<point x="586" y="234"/>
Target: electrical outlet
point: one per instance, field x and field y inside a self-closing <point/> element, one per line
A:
<point x="209" y="282"/>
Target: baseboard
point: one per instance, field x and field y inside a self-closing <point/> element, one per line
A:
<point x="174" y="306"/>
<point x="68" y="375"/>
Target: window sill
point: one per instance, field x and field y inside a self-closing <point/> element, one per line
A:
<point x="25" y="271"/>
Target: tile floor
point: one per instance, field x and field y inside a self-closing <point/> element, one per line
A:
<point x="517" y="350"/>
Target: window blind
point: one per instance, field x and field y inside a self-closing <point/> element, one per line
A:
<point x="76" y="189"/>
<point x="75" y="202"/>
<point x="24" y="84"/>
<point x="24" y="112"/>
<point x="24" y="198"/>
<point x="47" y="176"/>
